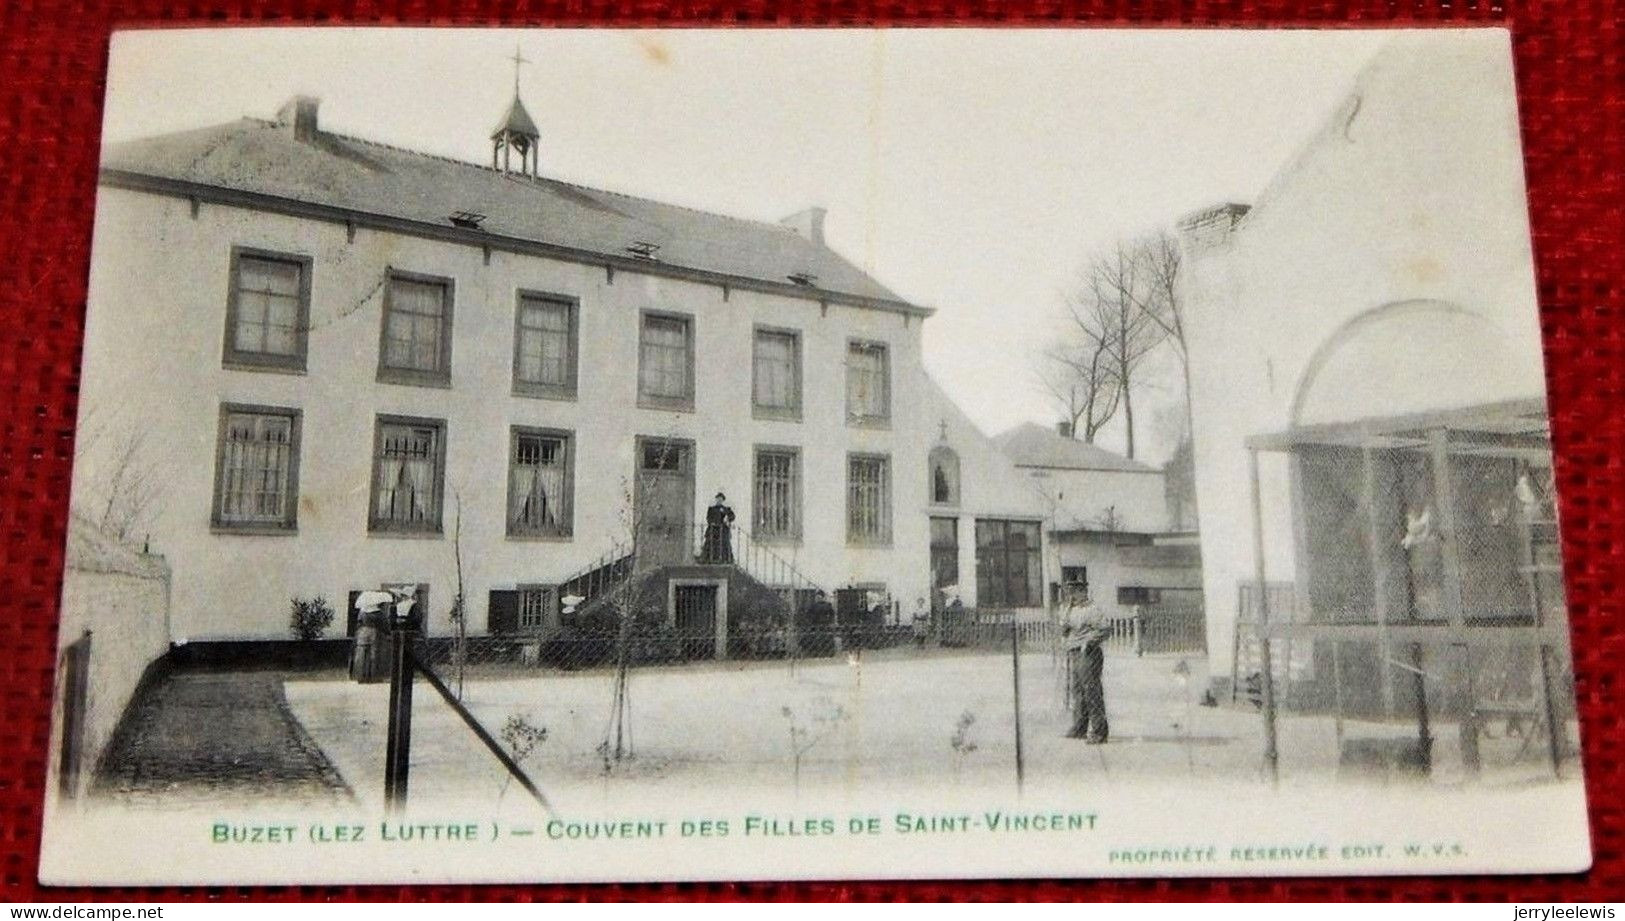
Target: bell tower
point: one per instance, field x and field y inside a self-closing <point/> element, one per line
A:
<point x="516" y="134"/>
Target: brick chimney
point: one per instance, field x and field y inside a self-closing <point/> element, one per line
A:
<point x="298" y="115"/>
<point x="1063" y="429"/>
<point x="808" y="224"/>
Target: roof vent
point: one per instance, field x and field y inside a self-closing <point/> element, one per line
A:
<point x="299" y="116"/>
<point x="804" y="279"/>
<point x="643" y="249"/>
<point x="469" y="219"/>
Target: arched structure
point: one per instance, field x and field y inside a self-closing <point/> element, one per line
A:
<point x="1403" y="356"/>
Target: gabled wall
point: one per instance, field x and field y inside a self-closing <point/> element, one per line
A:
<point x="1386" y="270"/>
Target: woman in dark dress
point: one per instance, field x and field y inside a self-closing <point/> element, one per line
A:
<point x="718" y="544"/>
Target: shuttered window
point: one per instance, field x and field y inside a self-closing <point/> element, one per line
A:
<point x="416" y="344"/>
<point x="868" y="383"/>
<point x="539" y="483"/>
<point x="868" y="499"/>
<point x="268" y="311"/>
<point x="777" y="495"/>
<point x="776" y="373"/>
<point x="257" y="469"/>
<point x="545" y="347"/>
<point x="408" y="474"/>
<point x="666" y="361"/>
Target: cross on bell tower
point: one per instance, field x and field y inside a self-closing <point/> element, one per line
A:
<point x="517" y="132"/>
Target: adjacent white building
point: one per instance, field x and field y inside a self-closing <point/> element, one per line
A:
<point x="1109" y="521"/>
<point x="351" y="360"/>
<point x="1368" y="331"/>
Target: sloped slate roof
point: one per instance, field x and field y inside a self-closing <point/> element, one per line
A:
<point x="263" y="158"/>
<point x="1033" y="445"/>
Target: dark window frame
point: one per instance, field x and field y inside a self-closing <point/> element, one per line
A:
<point x="793" y="537"/>
<point x="886" y="515"/>
<point x="550" y="616"/>
<point x="685" y="402"/>
<point x="1139" y="595"/>
<point x="290" y="516"/>
<point x="1032" y="587"/>
<point x="417" y="377"/>
<point x="380" y="527"/>
<point x="566" y="528"/>
<point x="791" y="413"/>
<point x="242" y="360"/>
<point x="883" y="419"/>
<point x="568" y="389"/>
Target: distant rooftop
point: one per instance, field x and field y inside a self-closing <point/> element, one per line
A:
<point x="1033" y="445"/>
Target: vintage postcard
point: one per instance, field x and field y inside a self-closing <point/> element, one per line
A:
<point x="762" y="454"/>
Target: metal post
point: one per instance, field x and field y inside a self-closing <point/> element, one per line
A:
<point x="1554" y="732"/>
<point x="1015" y="683"/>
<point x="1381" y="588"/>
<point x="398" y="747"/>
<point x="1470" y="758"/>
<point x="1272" y="756"/>
<point x="1450" y="542"/>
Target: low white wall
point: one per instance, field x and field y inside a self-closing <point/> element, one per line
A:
<point x="121" y="598"/>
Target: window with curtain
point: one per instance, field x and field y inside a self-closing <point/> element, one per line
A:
<point x="544" y="347"/>
<point x="417" y="329"/>
<point x="539" y="484"/>
<point x="868" y="499"/>
<point x="776" y="373"/>
<point x="777" y="495"/>
<point x="269" y="310"/>
<point x="1008" y="571"/>
<point x="408" y="471"/>
<point x="868" y="397"/>
<point x="665" y="358"/>
<point x="257" y="467"/>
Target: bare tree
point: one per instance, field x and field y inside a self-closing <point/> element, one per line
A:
<point x="625" y="598"/>
<point x="1077" y="376"/>
<point x="1160" y="257"/>
<point x="1125" y="306"/>
<point x="123" y="497"/>
<point x="459" y="606"/>
<point x="1116" y="297"/>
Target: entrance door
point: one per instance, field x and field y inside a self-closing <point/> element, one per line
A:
<point x="664" y="502"/>
<point x="695" y="612"/>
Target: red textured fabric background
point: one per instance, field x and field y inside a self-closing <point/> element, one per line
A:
<point x="1571" y="83"/>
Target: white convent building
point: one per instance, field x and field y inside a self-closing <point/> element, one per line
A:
<point x="351" y="360"/>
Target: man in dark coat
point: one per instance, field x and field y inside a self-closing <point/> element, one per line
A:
<point x="718" y="544"/>
<point x="1084" y="629"/>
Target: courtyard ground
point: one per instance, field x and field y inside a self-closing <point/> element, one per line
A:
<point x="209" y="735"/>
<point x="895" y="719"/>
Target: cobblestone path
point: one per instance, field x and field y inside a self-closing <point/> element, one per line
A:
<point x="199" y="735"/>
